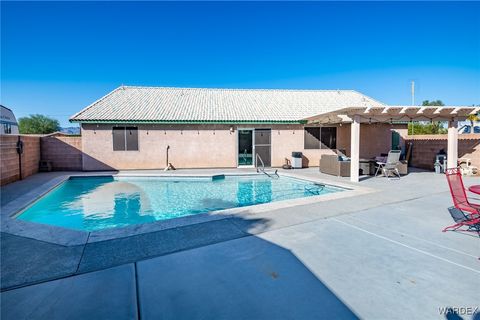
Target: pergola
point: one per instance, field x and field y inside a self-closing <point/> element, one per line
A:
<point x="391" y="114"/>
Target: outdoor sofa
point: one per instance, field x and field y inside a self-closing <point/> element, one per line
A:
<point x="334" y="165"/>
<point x="338" y="165"/>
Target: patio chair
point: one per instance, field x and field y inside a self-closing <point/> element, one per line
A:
<point x="390" y="165"/>
<point x="463" y="220"/>
<point x="466" y="168"/>
<point x="463" y="212"/>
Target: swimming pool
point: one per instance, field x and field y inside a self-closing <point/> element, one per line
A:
<point x="96" y="203"/>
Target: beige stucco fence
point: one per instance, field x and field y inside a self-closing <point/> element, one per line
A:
<point x="425" y="147"/>
<point x="12" y="165"/>
<point x="64" y="154"/>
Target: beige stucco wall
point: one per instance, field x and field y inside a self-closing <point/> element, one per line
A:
<point x="190" y="147"/>
<point x="375" y="138"/>
<point x="212" y="146"/>
<point x="288" y="138"/>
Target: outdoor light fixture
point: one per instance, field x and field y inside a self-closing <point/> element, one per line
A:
<point x="231" y="129"/>
<point x="369" y="120"/>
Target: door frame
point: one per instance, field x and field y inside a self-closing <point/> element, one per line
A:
<point x="395" y="136"/>
<point x="253" y="147"/>
<point x="271" y="130"/>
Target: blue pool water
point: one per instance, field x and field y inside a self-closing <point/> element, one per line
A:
<point x="95" y="203"/>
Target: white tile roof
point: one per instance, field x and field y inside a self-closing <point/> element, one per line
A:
<point x="159" y="104"/>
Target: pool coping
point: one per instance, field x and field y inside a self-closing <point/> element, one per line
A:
<point x="70" y="237"/>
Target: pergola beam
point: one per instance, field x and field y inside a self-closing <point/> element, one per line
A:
<point x="475" y="111"/>
<point x="386" y="110"/>
<point x="420" y="111"/>
<point x="404" y="110"/>
<point x="455" y="110"/>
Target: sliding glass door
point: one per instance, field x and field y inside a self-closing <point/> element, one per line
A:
<point x="245" y="147"/>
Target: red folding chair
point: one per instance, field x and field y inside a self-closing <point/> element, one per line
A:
<point x="463" y="212"/>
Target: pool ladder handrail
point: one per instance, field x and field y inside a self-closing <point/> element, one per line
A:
<point x="262" y="169"/>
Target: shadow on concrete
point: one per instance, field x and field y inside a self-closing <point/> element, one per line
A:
<point x="225" y="277"/>
<point x="452" y="314"/>
<point x="411" y="170"/>
<point x="248" y="278"/>
<point x="26" y="261"/>
<point x="475" y="234"/>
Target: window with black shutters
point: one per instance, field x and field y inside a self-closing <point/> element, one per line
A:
<point x="320" y="138"/>
<point x="125" y="138"/>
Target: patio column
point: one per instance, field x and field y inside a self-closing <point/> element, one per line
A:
<point x="355" y="149"/>
<point x="452" y="146"/>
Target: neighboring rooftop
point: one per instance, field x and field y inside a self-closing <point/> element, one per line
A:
<point x="160" y="104"/>
<point x="7" y="116"/>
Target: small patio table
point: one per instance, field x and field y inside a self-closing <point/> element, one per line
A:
<point x="475" y="189"/>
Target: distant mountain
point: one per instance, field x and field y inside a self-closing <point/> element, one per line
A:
<point x="70" y="130"/>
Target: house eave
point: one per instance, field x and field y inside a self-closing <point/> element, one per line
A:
<point x="230" y="122"/>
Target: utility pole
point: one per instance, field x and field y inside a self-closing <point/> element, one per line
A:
<point x="413" y="93"/>
<point x="413" y="102"/>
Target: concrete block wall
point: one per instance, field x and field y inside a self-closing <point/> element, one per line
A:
<point x="64" y="152"/>
<point x="9" y="160"/>
<point x="425" y="147"/>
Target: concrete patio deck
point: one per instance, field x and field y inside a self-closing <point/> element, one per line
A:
<point x="379" y="255"/>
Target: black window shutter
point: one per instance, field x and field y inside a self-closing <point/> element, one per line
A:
<point x="118" y="134"/>
<point x="132" y="138"/>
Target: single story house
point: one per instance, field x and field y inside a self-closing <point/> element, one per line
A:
<point x="8" y="121"/>
<point x="149" y="127"/>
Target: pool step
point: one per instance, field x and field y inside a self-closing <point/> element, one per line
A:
<point x="218" y="177"/>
